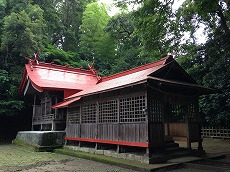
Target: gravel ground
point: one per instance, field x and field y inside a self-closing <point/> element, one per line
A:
<point x="17" y="158"/>
<point x="77" y="165"/>
<point x="213" y="145"/>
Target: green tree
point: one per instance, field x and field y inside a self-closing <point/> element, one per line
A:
<point x="153" y="23"/>
<point x="22" y="31"/>
<point x="58" y="56"/>
<point x="70" y="14"/>
<point x="21" y="34"/>
<point x="121" y="28"/>
<point x="53" y="26"/>
<point x="95" y="43"/>
<point x="9" y="102"/>
<point x="209" y="63"/>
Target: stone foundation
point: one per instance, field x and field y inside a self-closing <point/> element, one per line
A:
<point x="42" y="140"/>
<point x="111" y="153"/>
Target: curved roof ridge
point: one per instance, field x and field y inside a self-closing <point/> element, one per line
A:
<point x="53" y="66"/>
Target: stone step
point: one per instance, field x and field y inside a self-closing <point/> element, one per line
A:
<point x="171" y="145"/>
<point x="160" y="158"/>
<point x="208" y="165"/>
<point x="173" y="149"/>
<point x="212" y="163"/>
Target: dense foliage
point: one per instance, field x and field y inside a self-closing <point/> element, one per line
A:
<point x="80" y="31"/>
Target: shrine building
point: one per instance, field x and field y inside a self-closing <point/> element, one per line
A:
<point x="145" y="107"/>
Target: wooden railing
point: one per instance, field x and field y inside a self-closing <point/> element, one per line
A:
<point x="48" y="118"/>
<point x="44" y="118"/>
<point x="215" y="132"/>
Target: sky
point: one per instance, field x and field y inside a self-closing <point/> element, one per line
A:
<point x="114" y="10"/>
<point x="177" y="3"/>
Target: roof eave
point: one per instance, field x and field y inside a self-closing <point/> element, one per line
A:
<point x="203" y="90"/>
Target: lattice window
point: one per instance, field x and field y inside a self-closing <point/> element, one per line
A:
<point x="156" y="110"/>
<point x="191" y="113"/>
<point x="132" y="109"/>
<point x="178" y="112"/>
<point x="108" y="111"/>
<point x="88" y="113"/>
<point x="74" y="115"/>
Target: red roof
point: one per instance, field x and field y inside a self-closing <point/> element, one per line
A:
<point x="129" y="77"/>
<point x="45" y="76"/>
<point x="65" y="103"/>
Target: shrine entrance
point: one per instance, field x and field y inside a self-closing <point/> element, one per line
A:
<point x="173" y="118"/>
<point x="181" y="120"/>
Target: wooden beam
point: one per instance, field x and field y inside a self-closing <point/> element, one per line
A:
<point x="115" y="142"/>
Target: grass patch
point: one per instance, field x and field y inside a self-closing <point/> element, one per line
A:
<point x="14" y="155"/>
<point x="24" y="144"/>
<point x="35" y="148"/>
<point x="103" y="159"/>
<point x="84" y="155"/>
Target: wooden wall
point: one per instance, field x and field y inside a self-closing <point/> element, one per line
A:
<point x="117" y="118"/>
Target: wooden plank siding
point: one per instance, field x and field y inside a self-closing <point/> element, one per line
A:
<point x="88" y="131"/>
<point x="107" y="131"/>
<point x="116" y="120"/>
<point x="73" y="130"/>
<point x="178" y="129"/>
<point x="156" y="134"/>
<point x="133" y="132"/>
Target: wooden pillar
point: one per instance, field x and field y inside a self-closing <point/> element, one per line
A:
<point x="97" y="123"/>
<point x="147" y="151"/>
<point x="185" y="111"/>
<point x="34" y="111"/>
<point x="118" y="124"/>
<point x="80" y="119"/>
<point x="166" y="118"/>
<point x="146" y="120"/>
<point x="53" y="128"/>
<point x="96" y="146"/>
<point x="55" y="110"/>
<point x="45" y="103"/>
<point x="200" y="146"/>
<point x="118" y="149"/>
<point x="198" y="118"/>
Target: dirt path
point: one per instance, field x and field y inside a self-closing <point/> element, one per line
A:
<point x="76" y="165"/>
<point x="70" y="165"/>
<point x="16" y="158"/>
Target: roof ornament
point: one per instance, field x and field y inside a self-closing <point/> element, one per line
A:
<point x="32" y="61"/>
<point x="36" y="56"/>
<point x="94" y="71"/>
<point x="67" y="65"/>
